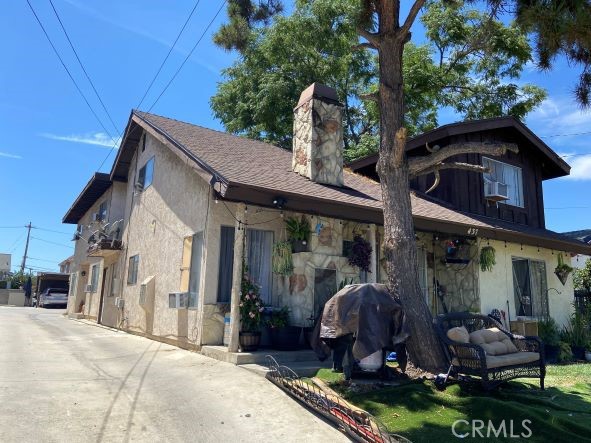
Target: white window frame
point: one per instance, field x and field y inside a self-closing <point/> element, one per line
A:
<point x="521" y="202"/>
<point x="94" y="271"/>
<point x="142" y="173"/>
<point x="132" y="269"/>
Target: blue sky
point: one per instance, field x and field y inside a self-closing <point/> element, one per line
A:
<point x="52" y="143"/>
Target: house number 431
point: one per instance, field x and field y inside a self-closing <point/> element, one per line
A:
<point x="472" y="231"/>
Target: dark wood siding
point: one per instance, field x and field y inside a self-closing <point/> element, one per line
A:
<point x="464" y="190"/>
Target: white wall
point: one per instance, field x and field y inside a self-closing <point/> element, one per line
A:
<point x="496" y="287"/>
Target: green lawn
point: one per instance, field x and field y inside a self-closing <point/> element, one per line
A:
<point x="418" y="411"/>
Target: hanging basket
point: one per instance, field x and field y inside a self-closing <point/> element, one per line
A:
<point x="282" y="258"/>
<point x="563" y="270"/>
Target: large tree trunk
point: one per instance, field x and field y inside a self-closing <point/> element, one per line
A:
<point x="399" y="237"/>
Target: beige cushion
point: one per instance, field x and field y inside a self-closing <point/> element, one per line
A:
<point x="516" y="358"/>
<point x="493" y="341"/>
<point x="459" y="334"/>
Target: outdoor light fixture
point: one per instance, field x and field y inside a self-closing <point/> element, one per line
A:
<point x="279" y="202"/>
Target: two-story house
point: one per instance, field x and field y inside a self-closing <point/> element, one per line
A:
<point x="197" y="203"/>
<point x="99" y="213"/>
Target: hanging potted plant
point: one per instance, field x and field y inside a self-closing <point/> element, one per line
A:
<point x="487" y="258"/>
<point x="251" y="308"/>
<point x="298" y="231"/>
<point x="360" y="254"/>
<point x="282" y="258"/>
<point x="562" y="270"/>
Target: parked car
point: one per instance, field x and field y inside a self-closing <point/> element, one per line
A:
<point x="53" y="297"/>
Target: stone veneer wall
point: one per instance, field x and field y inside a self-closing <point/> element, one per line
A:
<point x="318" y="142"/>
<point x="325" y="252"/>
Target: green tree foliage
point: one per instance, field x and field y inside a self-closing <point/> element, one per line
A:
<point x="459" y="67"/>
<point x="582" y="277"/>
<point x="561" y="27"/>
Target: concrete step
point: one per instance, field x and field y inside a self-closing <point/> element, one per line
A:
<point x="301" y="368"/>
<point x="258" y="357"/>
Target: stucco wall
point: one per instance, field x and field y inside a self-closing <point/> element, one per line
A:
<point x="158" y="220"/>
<point x="496" y="287"/>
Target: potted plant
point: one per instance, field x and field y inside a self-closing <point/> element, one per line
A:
<point x="298" y="231"/>
<point x="562" y="270"/>
<point x="283" y="336"/>
<point x="550" y="335"/>
<point x="251" y="308"/>
<point x="282" y="258"/>
<point x="576" y="333"/>
<point x="565" y="353"/>
<point x="360" y="254"/>
<point x="487" y="258"/>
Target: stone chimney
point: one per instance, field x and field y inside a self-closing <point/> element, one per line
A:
<point x="318" y="136"/>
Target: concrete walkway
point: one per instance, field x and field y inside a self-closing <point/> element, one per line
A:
<point x="63" y="380"/>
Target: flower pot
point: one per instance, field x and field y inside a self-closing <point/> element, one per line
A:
<point x="562" y="275"/>
<point x="578" y="352"/>
<point x="551" y="352"/>
<point x="286" y="338"/>
<point x="249" y="341"/>
<point x="299" y="246"/>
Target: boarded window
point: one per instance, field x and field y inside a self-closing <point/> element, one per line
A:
<point x="73" y="283"/>
<point x="191" y="267"/>
<point x="94" y="278"/>
<point x="186" y="263"/>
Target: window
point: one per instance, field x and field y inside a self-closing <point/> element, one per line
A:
<point x="195" y="270"/>
<point x="113" y="281"/>
<point x="94" y="278"/>
<point x="508" y="175"/>
<point x="146" y="174"/>
<point x="102" y="212"/>
<point x="530" y="288"/>
<point x="226" y="265"/>
<point x="132" y="269"/>
<point x="259" y="247"/>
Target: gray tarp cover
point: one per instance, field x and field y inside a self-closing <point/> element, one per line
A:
<point x="366" y="310"/>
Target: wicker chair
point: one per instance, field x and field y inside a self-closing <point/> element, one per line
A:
<point x="471" y="359"/>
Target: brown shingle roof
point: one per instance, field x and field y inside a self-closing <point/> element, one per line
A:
<point x="254" y="171"/>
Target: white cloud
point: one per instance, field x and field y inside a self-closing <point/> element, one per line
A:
<point x="580" y="167"/>
<point x="97" y="139"/>
<point x="7" y="155"/>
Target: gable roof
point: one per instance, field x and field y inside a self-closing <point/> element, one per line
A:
<point x="554" y="166"/>
<point x="241" y="169"/>
<point x="96" y="186"/>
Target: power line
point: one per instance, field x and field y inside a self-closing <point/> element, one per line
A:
<point x="16" y="243"/>
<point x="188" y="56"/>
<point x="162" y="64"/>
<point x="83" y="68"/>
<point x="566" y="135"/>
<point x="69" y="73"/>
<point x="51" y="230"/>
<point x="168" y="55"/>
<point x="42" y="259"/>
<point x="51" y="242"/>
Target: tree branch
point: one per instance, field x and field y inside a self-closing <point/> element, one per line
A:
<point x="419" y="164"/>
<point x="435" y="183"/>
<point x="452" y="165"/>
<point x="371" y="37"/>
<point x="364" y="45"/>
<point x="410" y="18"/>
<point x="372" y="96"/>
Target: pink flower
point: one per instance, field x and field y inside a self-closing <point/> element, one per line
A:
<point x="251" y="314"/>
<point x="241" y="304"/>
<point x="261" y="309"/>
<point x="247" y="297"/>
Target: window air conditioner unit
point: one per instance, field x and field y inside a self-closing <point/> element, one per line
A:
<point x="119" y="302"/>
<point x="178" y="300"/>
<point x="147" y="289"/>
<point x="88" y="288"/>
<point x="496" y="191"/>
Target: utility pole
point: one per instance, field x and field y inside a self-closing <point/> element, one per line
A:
<point x="24" y="262"/>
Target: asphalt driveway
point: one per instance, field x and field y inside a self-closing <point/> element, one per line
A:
<point x="63" y="380"/>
